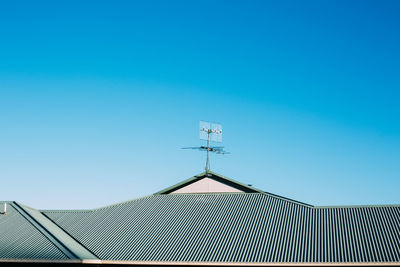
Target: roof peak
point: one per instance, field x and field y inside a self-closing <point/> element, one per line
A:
<point x="241" y="188"/>
<point x="229" y="184"/>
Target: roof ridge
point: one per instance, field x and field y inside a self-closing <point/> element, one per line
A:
<point x="169" y="188"/>
<point x="95" y="209"/>
<point x="289" y="199"/>
<point x="71" y="211"/>
<point x="250" y="187"/>
<point x="120" y="203"/>
<point x="62" y="240"/>
<point x="263" y="192"/>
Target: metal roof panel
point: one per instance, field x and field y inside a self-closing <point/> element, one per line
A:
<point x="19" y="238"/>
<point x="242" y="227"/>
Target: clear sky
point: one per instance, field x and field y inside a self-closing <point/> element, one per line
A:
<point x="98" y="97"/>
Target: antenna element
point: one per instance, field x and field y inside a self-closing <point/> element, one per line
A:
<point x="210" y="132"/>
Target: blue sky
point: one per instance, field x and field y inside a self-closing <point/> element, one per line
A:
<point x="98" y="97"/>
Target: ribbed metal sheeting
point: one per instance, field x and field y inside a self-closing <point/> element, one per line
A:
<point x="20" y="239"/>
<point x="235" y="228"/>
<point x="356" y="234"/>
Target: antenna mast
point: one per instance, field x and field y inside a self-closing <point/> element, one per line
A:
<point x="212" y="132"/>
<point x="208" y="131"/>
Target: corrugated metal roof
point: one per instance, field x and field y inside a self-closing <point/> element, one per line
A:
<point x="55" y="234"/>
<point x="19" y="238"/>
<point x="236" y="227"/>
<point x="251" y="227"/>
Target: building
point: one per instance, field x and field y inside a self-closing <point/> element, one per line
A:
<point x="207" y="220"/>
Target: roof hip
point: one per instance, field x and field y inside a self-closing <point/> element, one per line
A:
<point x="63" y="241"/>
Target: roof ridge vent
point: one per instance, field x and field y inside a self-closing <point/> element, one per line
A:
<point x="4" y="212"/>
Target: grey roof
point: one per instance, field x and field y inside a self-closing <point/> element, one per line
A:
<point x="237" y="227"/>
<point x="19" y="238"/>
<point x="249" y="227"/>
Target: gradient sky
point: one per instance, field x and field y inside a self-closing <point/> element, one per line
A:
<point x="98" y="97"/>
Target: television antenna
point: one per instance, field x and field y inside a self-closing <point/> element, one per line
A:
<point x="211" y="132"/>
